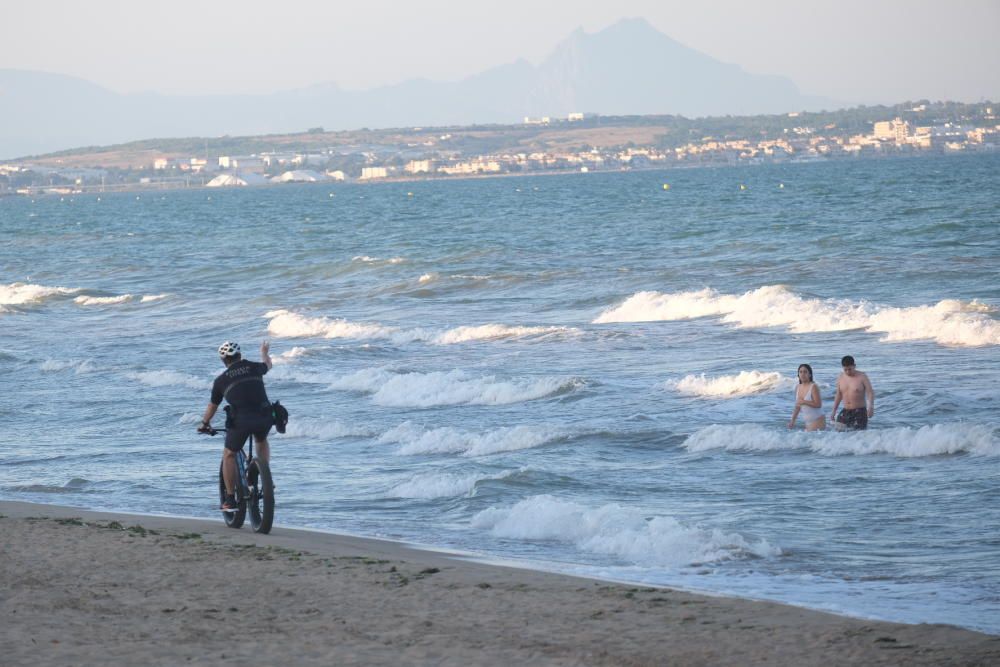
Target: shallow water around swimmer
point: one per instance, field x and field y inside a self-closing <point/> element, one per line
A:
<point x="586" y="373"/>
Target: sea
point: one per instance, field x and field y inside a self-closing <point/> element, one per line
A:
<point x="582" y="373"/>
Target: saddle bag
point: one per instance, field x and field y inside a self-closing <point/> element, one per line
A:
<point x="279" y="415"/>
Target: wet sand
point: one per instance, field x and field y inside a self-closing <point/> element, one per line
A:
<point x="103" y="588"/>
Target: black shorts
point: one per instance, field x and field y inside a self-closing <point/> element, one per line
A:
<point x="855" y="419"/>
<point x="244" y="426"/>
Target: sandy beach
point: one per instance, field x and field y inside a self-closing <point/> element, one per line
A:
<point x="99" y="588"/>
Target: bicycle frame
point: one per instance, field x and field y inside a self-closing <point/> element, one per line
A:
<point x="242" y="460"/>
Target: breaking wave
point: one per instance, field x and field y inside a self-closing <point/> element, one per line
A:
<point x="416" y="440"/>
<point x="286" y="324"/>
<point x="441" y="485"/>
<point x="167" y="378"/>
<point x="289" y="356"/>
<point x="78" y="366"/>
<point x="365" y="259"/>
<point x="424" y="390"/>
<point x="22" y="294"/>
<point x="85" y="300"/>
<point x="323" y="429"/>
<point x="612" y="530"/>
<point x="948" y="322"/>
<point x="730" y="386"/>
<point x="901" y="441"/>
<point x="496" y="332"/>
<point x="103" y="300"/>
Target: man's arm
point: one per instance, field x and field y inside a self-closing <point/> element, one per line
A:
<point x="871" y="396"/>
<point x="836" y="401"/>
<point x="210" y="411"/>
<point x="265" y="356"/>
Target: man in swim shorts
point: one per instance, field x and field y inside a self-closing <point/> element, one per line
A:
<point x="855" y="390"/>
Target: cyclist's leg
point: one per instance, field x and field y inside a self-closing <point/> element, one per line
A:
<point x="262" y="447"/>
<point x="229" y="470"/>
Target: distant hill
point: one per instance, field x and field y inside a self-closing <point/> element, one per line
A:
<point x="628" y="68"/>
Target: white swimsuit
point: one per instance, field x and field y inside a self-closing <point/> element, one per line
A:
<point x="808" y="413"/>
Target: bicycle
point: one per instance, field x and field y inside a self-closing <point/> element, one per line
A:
<point x="254" y="490"/>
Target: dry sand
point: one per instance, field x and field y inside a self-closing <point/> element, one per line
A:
<point x="97" y="588"/>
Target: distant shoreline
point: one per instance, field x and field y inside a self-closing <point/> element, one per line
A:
<point x="172" y="187"/>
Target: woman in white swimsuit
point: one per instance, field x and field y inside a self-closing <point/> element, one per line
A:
<point x="808" y="401"/>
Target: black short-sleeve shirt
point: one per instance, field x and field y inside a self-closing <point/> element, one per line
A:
<point x="242" y="384"/>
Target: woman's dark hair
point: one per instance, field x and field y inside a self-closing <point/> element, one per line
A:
<point x="808" y="368"/>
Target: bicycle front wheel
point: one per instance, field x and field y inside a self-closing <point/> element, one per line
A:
<point x="261" y="500"/>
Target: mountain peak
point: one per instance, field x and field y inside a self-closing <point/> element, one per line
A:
<point x="627" y="68"/>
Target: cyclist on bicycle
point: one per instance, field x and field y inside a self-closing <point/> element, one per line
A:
<point x="242" y="386"/>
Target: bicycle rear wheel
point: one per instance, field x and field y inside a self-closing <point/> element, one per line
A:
<point x="232" y="519"/>
<point x="261" y="501"/>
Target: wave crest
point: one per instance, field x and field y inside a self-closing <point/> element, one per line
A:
<point x="416" y="440"/>
<point x="728" y="386"/>
<point x="442" y="485"/>
<point x="617" y="531"/>
<point x="424" y="390"/>
<point x="20" y="294"/>
<point x="948" y="322"/>
<point x="168" y="378"/>
<point x="901" y="441"/>
<point x="286" y="324"/>
<point x="323" y="429"/>
<point x="85" y="300"/>
<point x="496" y="332"/>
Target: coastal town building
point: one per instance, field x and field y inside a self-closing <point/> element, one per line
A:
<point x="245" y="163"/>
<point x="923" y="130"/>
<point x="419" y="167"/>
<point x="371" y="173"/>
<point x="895" y="130"/>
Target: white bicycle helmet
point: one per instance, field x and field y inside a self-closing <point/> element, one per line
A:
<point x="229" y="349"/>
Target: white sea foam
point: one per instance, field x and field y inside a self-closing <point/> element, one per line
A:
<point x="455" y="387"/>
<point x="168" y="378"/>
<point x="78" y="366"/>
<point x="902" y="441"/>
<point x="18" y="294"/>
<point x="427" y="277"/>
<point x="375" y="260"/>
<point x="416" y="440"/>
<point x="729" y="386"/>
<point x="948" y="322"/>
<point x="496" y="332"/>
<point x="288" y="356"/>
<point x="84" y="300"/>
<point x="622" y="532"/>
<point x="286" y="324"/>
<point x="441" y="485"/>
<point x="368" y="380"/>
<point x="323" y="429"/>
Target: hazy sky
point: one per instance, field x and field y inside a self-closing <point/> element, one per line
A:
<point x="857" y="51"/>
